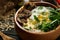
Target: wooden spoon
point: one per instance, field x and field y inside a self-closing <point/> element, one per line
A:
<point x="5" y="37"/>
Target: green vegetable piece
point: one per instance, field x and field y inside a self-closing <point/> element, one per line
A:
<point x="53" y="24"/>
<point x="39" y="26"/>
<point x="44" y="27"/>
<point x="54" y="15"/>
<point x="26" y="28"/>
<point x="30" y="28"/>
<point x="36" y="19"/>
<point x="50" y="26"/>
<point x="50" y="8"/>
<point x="45" y="30"/>
<point x="40" y="7"/>
<point x="43" y="13"/>
<point x="58" y="9"/>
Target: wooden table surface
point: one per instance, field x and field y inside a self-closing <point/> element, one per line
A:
<point x="13" y="34"/>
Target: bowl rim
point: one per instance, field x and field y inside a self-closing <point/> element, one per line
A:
<point x="15" y="19"/>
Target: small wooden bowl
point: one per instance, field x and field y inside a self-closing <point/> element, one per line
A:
<point x="26" y="35"/>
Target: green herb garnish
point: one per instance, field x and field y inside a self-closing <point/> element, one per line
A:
<point x="40" y="7"/>
<point x="36" y="19"/>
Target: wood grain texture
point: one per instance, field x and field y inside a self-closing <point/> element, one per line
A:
<point x="5" y="37"/>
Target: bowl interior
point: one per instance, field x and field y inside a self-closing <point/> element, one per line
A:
<point x="32" y="5"/>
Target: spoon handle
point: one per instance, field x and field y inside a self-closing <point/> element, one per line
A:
<point x="5" y="37"/>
